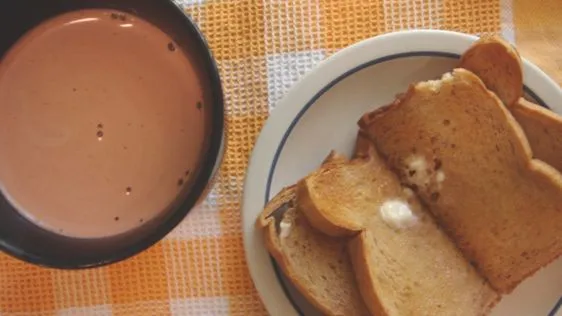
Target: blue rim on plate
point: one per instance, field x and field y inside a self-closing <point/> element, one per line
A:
<point x="307" y="106"/>
<point x="556" y="308"/>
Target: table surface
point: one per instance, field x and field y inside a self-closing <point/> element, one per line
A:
<point x="262" y="48"/>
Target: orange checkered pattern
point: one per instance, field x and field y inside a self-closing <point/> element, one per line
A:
<point x="262" y="48"/>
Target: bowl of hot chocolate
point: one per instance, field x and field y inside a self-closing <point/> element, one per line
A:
<point x="111" y="127"/>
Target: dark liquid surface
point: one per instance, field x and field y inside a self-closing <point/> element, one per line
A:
<point x="102" y="123"/>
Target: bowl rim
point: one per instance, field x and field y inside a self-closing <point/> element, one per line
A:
<point x="207" y="172"/>
<point x="327" y="73"/>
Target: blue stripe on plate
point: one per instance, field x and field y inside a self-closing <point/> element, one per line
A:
<point x="317" y="96"/>
<point x="556" y="307"/>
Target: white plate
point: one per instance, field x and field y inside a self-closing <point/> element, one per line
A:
<point x="320" y="114"/>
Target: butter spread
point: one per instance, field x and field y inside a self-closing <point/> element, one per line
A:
<point x="397" y="214"/>
<point x="284" y="229"/>
<point x="440" y="176"/>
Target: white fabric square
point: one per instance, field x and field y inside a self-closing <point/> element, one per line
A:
<point x="202" y="221"/>
<point x="409" y="16"/>
<point x="283" y="70"/>
<point x="186" y="3"/>
<point x="508" y="30"/>
<point x="100" y="310"/>
<point x="204" y="306"/>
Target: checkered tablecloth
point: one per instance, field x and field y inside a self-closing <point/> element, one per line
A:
<point x="262" y="48"/>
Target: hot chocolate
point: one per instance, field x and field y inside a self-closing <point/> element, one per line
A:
<point x="102" y="123"/>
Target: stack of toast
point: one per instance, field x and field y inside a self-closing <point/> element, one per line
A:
<point x="452" y="198"/>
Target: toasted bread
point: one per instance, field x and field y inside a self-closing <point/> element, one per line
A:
<point x="321" y="197"/>
<point x="460" y="149"/>
<point x="408" y="267"/>
<point x="362" y="145"/>
<point x="317" y="265"/>
<point x="498" y="65"/>
<point x="543" y="129"/>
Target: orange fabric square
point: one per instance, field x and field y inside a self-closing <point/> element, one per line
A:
<point x="292" y="25"/>
<point x="141" y="278"/>
<point x="472" y="16"/>
<point x="147" y="308"/>
<point x="247" y="305"/>
<point x="245" y="86"/>
<point x="80" y="288"/>
<point x="25" y="288"/>
<point x="194" y="267"/>
<point x="234" y="28"/>
<point x="234" y="271"/>
<point x="539" y="34"/>
<point x="243" y="132"/>
<point x="346" y="22"/>
<point x="412" y="14"/>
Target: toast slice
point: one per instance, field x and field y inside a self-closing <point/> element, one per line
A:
<point x="403" y="262"/>
<point x="339" y="211"/>
<point x="318" y="265"/>
<point x="543" y="129"/>
<point x="455" y="144"/>
<point x="498" y="64"/>
<point x="363" y="145"/>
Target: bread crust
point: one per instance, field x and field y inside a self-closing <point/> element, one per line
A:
<point x="498" y="65"/>
<point x="266" y="223"/>
<point x="319" y="209"/>
<point x="275" y="249"/>
<point x="286" y="195"/>
<point x="327" y="222"/>
<point x="362" y="145"/>
<point x="543" y="129"/>
<point x="358" y="252"/>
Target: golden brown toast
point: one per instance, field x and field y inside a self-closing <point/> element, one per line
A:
<point x="403" y="262"/>
<point x="317" y="265"/>
<point x="498" y="65"/>
<point x="543" y="129"/>
<point x="460" y="149"/>
<point x="362" y="145"/>
<point x="321" y="198"/>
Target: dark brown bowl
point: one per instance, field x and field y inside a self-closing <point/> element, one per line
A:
<point x="24" y="240"/>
